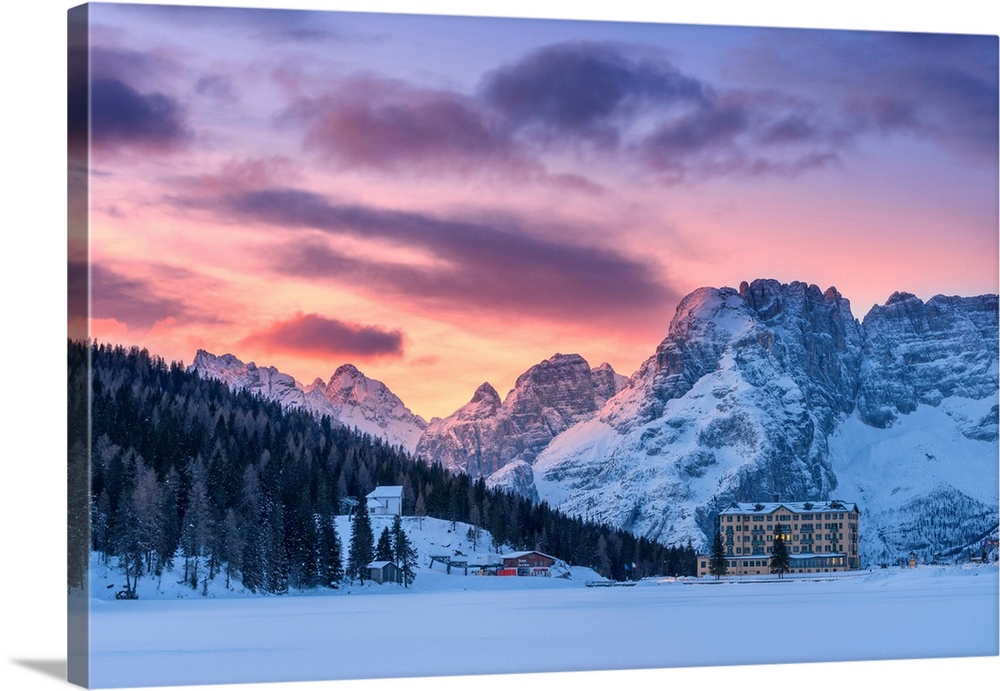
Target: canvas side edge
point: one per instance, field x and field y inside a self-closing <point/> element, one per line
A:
<point x="78" y="363"/>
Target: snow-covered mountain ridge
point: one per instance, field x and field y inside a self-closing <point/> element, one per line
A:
<point x="777" y="389"/>
<point x="487" y="434"/>
<point x="768" y="389"/>
<point x="349" y="397"/>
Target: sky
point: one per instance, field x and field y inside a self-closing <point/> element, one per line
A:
<point x="443" y="201"/>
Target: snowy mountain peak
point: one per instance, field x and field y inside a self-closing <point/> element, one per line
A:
<point x="921" y="353"/>
<point x="347" y="372"/>
<point x="350" y="398"/>
<point x="900" y="297"/>
<point x="317" y="383"/>
<point x="486" y="434"/>
<point x="750" y="394"/>
<point x="487" y="395"/>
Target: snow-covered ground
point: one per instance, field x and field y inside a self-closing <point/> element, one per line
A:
<point x="464" y="625"/>
<point x="429" y="536"/>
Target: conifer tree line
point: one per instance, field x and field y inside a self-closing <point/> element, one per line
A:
<point x="224" y="484"/>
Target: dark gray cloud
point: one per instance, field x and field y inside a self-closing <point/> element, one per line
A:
<point x="317" y="335"/>
<point x="495" y="264"/>
<point x="585" y="89"/>
<point x="121" y="116"/>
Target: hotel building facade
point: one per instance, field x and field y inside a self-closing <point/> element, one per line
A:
<point x="821" y="537"/>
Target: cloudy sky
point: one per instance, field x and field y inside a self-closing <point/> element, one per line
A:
<point x="443" y="201"/>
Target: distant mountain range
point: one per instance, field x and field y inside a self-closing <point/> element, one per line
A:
<point x="769" y="389"/>
<point x="349" y="397"/>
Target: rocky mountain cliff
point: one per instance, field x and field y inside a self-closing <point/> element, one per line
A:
<point x="487" y="434"/>
<point x="349" y="398"/>
<point x="736" y="404"/>
<point x="778" y="389"/>
<point x="920" y="353"/>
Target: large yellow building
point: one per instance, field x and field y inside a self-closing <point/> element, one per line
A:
<point x="821" y="537"/>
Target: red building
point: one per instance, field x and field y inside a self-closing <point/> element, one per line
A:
<point x="526" y="564"/>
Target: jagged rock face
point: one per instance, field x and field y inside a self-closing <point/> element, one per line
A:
<point x="468" y="440"/>
<point x="485" y="434"/>
<point x="776" y="389"/>
<point x="349" y="398"/>
<point x="516" y="477"/>
<point x="920" y="353"/>
<point x="736" y="404"/>
<point x="267" y="381"/>
<point x="371" y="407"/>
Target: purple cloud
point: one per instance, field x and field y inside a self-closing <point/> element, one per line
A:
<point x="386" y="125"/>
<point x="585" y="89"/>
<point x="138" y="302"/>
<point x="317" y="335"/>
<point x="133" y="301"/>
<point x="634" y="106"/>
<point x="120" y="115"/>
<point x="936" y="87"/>
<point x="218" y="87"/>
<point x="495" y="264"/>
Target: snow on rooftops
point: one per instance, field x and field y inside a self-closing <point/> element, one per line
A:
<point x="516" y="555"/>
<point x="793" y="506"/>
<point x="386" y="491"/>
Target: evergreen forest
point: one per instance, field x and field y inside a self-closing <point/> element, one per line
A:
<point x="172" y="466"/>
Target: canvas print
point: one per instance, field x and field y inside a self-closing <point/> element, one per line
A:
<point x="421" y="346"/>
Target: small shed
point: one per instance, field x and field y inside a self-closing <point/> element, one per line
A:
<point x="526" y="564"/>
<point x="385" y="500"/>
<point x="385" y="572"/>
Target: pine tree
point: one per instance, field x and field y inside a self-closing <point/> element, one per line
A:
<point x="383" y="550"/>
<point x="362" y="545"/>
<point x="331" y="564"/>
<point x="275" y="556"/>
<point x="403" y="552"/>
<point x="233" y="546"/>
<point x="779" y="556"/>
<point x="718" y="565"/>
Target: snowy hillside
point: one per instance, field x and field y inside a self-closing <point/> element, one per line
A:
<point x="924" y="484"/>
<point x="429" y="536"/>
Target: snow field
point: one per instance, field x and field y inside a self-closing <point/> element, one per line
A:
<point x="515" y="625"/>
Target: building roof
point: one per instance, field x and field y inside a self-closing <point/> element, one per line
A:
<point x="793" y="506"/>
<point x="380" y="564"/>
<point x="515" y="555"/>
<point x="386" y="492"/>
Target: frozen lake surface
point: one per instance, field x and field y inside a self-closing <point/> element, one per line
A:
<point x="461" y="625"/>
